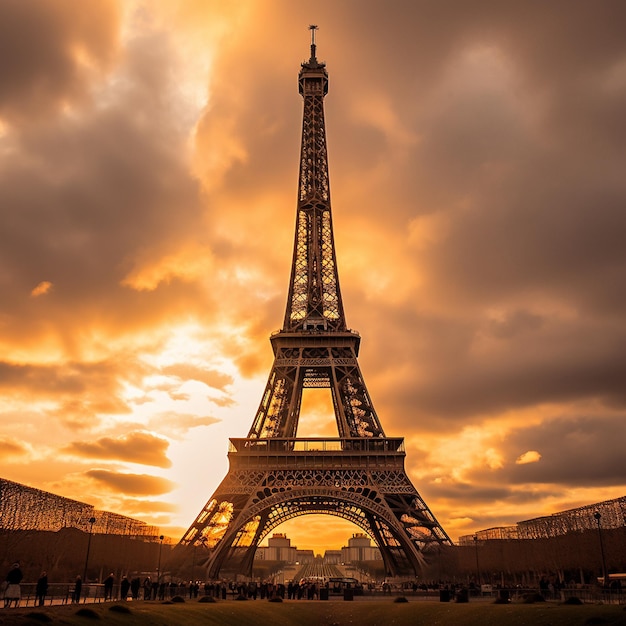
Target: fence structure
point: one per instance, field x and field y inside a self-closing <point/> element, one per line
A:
<point x="62" y="593"/>
<point x="27" y="508"/>
<point x="612" y="514"/>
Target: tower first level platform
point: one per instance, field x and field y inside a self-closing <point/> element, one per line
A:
<point x="273" y="480"/>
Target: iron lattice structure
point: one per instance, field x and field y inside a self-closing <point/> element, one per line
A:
<point x="612" y="515"/>
<point x="27" y="508"/>
<point x="273" y="475"/>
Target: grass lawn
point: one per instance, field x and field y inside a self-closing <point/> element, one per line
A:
<point x="320" y="613"/>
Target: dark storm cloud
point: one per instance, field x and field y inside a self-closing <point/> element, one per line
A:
<point x="476" y="493"/>
<point x="45" y="48"/>
<point x="529" y="359"/>
<point x="520" y="161"/>
<point x="529" y="144"/>
<point x="133" y="484"/>
<point x="89" y="199"/>
<point x="574" y="451"/>
<point x="133" y="447"/>
<point x="541" y="236"/>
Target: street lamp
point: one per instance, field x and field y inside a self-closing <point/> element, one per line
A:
<point x="92" y="521"/>
<point x="477" y="566"/>
<point x="193" y="560"/>
<point x="159" y="565"/>
<point x="598" y="517"/>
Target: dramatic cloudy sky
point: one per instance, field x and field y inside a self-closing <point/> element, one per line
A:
<point x="148" y="175"/>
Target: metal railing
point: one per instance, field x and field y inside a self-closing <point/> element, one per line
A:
<point x="373" y="445"/>
<point x="62" y="593"/>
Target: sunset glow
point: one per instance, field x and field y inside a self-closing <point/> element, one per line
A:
<point x="148" y="186"/>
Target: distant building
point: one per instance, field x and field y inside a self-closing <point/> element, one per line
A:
<point x="278" y="548"/>
<point x="305" y="556"/>
<point x="360" y="549"/>
<point x="333" y="557"/>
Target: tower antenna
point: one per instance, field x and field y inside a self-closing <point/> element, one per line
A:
<point x="313" y="28"/>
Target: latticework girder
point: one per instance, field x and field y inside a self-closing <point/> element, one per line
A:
<point x="612" y="515"/>
<point x="314" y="301"/>
<point x="274" y="476"/>
<point x="311" y="365"/>
<point x="235" y="521"/>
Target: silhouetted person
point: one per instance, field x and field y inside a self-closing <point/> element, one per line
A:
<point x="109" y="581"/>
<point x="124" y="588"/>
<point x="13" y="592"/>
<point x="78" y="586"/>
<point x="135" y="585"/>
<point x="41" y="590"/>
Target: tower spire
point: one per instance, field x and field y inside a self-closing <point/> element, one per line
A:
<point x="315" y="348"/>
<point x="314" y="299"/>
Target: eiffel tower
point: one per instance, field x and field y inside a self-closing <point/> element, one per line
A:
<point x="275" y="476"/>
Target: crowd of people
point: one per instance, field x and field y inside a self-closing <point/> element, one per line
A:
<point x="161" y="589"/>
<point x="149" y="589"/>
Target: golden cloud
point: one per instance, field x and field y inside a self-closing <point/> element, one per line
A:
<point x="188" y="264"/>
<point x="176" y="424"/>
<point x="10" y="447"/>
<point x="141" y="507"/>
<point x="42" y="288"/>
<point x="210" y="377"/>
<point x="532" y="456"/>
<point x="484" y="271"/>
<point x="133" y="447"/>
<point x="131" y="484"/>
